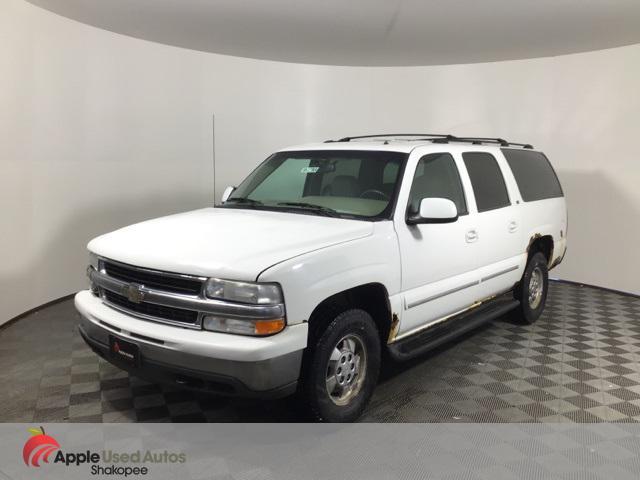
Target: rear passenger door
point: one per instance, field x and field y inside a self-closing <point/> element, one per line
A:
<point x="496" y="226"/>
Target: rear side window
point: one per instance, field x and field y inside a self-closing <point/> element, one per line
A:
<point x="487" y="181"/>
<point x="534" y="174"/>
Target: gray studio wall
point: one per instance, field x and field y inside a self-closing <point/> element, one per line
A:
<point x="100" y="130"/>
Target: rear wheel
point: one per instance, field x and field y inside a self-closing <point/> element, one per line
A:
<point x="341" y="367"/>
<point x="532" y="291"/>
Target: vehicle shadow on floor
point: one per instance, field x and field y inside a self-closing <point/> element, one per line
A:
<point x="291" y="409"/>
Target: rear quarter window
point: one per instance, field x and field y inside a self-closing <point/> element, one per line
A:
<point x="534" y="174"/>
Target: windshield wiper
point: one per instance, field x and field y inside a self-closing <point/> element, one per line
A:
<point x="245" y="200"/>
<point x="329" y="212"/>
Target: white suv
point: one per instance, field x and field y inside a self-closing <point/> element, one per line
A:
<point x="325" y="256"/>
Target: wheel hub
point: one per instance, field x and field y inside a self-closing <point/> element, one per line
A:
<point x="536" y="287"/>
<point x="346" y="369"/>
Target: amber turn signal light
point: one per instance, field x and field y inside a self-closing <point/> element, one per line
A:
<point x="269" y="327"/>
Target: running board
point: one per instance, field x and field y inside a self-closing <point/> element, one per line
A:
<point x="432" y="337"/>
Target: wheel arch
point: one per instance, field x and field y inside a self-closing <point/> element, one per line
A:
<point x="541" y="243"/>
<point x="371" y="297"/>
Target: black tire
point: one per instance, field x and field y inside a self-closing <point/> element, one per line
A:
<point x="350" y="325"/>
<point x="529" y="311"/>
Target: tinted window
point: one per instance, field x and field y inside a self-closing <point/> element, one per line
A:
<point x="437" y="177"/>
<point x="487" y="181"/>
<point x="534" y="174"/>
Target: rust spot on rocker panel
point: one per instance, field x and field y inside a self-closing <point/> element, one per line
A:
<point x="393" y="331"/>
<point x="394" y="325"/>
<point x="480" y="302"/>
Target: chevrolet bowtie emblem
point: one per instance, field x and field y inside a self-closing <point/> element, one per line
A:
<point x="133" y="292"/>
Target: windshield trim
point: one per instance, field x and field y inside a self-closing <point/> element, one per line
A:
<point x="386" y="214"/>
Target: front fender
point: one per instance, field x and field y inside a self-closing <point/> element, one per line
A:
<point x="310" y="278"/>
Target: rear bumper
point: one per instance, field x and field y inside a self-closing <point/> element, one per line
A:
<point x="196" y="359"/>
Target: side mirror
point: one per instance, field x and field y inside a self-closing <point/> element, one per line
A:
<point x="434" y="210"/>
<point x="227" y="193"/>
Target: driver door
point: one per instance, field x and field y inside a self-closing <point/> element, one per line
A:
<point x="439" y="274"/>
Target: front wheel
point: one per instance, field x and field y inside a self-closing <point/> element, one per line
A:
<point x="342" y="367"/>
<point x="533" y="288"/>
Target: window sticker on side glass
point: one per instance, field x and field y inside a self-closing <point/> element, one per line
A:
<point x="309" y="169"/>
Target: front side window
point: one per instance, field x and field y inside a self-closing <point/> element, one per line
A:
<point x="437" y="177"/>
<point x="487" y="181"/>
<point x="350" y="184"/>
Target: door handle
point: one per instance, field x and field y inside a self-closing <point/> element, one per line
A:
<point x="513" y="226"/>
<point x="471" y="236"/>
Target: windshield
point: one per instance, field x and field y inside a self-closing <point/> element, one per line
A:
<point x="348" y="184"/>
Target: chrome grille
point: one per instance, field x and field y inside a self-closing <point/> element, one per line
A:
<point x="115" y="294"/>
<point x="168" y="282"/>
<point x="152" y="310"/>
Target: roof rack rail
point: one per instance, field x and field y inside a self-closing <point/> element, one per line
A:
<point x="439" y="138"/>
<point x="421" y="135"/>
<point x="523" y="145"/>
<point x="480" y="140"/>
<point x="475" y="140"/>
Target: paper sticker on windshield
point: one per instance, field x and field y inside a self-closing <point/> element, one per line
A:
<point x="310" y="169"/>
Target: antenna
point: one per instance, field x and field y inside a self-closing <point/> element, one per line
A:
<point x="213" y="145"/>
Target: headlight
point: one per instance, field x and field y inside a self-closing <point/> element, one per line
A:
<point x="243" y="326"/>
<point x="243" y="292"/>
<point x="248" y="293"/>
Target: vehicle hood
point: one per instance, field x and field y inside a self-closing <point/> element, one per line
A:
<point x="225" y="242"/>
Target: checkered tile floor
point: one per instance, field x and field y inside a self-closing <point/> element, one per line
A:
<point x="579" y="363"/>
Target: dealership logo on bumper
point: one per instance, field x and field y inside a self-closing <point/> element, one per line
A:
<point x="40" y="447"/>
<point x="133" y="292"/>
<point x="118" y="351"/>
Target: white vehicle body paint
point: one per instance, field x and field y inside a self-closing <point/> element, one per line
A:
<point x="429" y="271"/>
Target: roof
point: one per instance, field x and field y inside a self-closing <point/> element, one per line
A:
<point x="407" y="142"/>
<point x="379" y="145"/>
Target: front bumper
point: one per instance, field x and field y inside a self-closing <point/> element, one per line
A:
<point x="197" y="359"/>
